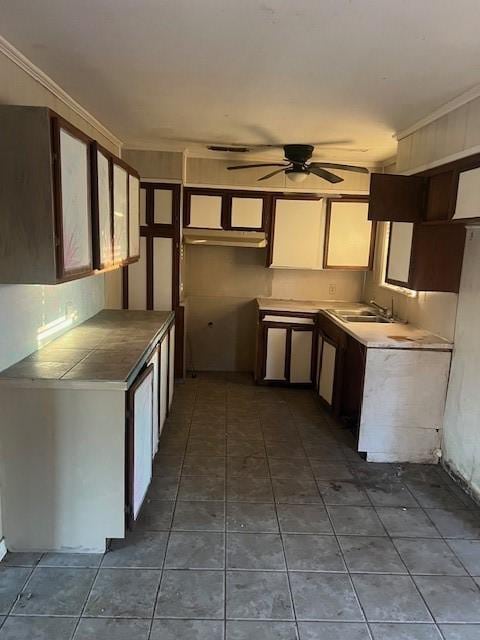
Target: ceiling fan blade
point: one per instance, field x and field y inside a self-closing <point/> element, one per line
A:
<point x="326" y="175"/>
<point x="255" y="166"/>
<point x="340" y="167"/>
<point x="273" y="173"/>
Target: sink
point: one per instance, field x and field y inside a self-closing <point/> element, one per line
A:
<point x="359" y="315"/>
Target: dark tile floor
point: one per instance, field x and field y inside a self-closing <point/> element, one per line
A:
<point x="262" y="523"/>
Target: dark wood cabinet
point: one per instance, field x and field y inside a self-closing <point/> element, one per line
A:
<point x="425" y="257"/>
<point x="226" y="209"/>
<point x="286" y="348"/>
<point x="57" y="200"/>
<point x="396" y="198"/>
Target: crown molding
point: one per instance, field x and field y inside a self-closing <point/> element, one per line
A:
<point x="13" y="54"/>
<point x="448" y="107"/>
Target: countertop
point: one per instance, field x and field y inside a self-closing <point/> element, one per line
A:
<point x="394" y="335"/>
<point x="105" y="351"/>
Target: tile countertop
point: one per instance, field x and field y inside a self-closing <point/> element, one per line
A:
<point x="375" y="335"/>
<point x="105" y="351"/>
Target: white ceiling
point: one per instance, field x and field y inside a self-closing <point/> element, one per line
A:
<point x="254" y="71"/>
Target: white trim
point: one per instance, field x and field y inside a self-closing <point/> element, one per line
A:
<point x="457" y="102"/>
<point x="42" y="78"/>
<point x="3" y="549"/>
<point x="173" y="147"/>
<point x="445" y="160"/>
<point x="319" y="192"/>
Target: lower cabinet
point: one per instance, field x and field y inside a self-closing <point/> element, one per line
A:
<point x="326" y="377"/>
<point x="286" y="348"/>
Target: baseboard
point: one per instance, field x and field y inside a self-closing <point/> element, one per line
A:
<point x="3" y="549"/>
<point x="461" y="482"/>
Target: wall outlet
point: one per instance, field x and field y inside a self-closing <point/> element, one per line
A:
<point x="332" y="289"/>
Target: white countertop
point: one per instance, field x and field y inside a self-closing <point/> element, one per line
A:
<point x="375" y="335"/>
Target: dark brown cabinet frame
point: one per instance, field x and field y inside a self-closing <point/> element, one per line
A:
<point x="58" y="123"/>
<point x="152" y="230"/>
<point x="262" y="338"/>
<point x="130" y="444"/>
<point x="95" y="147"/>
<point x="367" y="267"/>
<point x="226" y="213"/>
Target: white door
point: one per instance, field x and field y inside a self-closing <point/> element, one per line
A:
<point x="247" y="213"/>
<point x="205" y="212"/>
<point x="298" y="234"/>
<point x="327" y="372"/>
<point x="301" y="357"/>
<point x="276" y="349"/>
<point x="163" y="381"/>
<point x="400" y="249"/>
<point x="142" y="439"/>
<point x="171" y="365"/>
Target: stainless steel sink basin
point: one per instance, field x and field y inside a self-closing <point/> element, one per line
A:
<point x="359" y="315"/>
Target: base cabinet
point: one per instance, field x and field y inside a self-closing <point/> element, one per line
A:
<point x="326" y="379"/>
<point x="286" y="349"/>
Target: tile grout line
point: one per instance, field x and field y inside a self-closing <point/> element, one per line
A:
<point x="169" y="532"/>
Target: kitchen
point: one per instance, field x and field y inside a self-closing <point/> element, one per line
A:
<point x="237" y="401"/>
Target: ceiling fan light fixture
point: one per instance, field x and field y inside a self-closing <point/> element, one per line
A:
<point x="296" y="176"/>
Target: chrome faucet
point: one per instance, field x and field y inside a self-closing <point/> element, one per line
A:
<point x="384" y="311"/>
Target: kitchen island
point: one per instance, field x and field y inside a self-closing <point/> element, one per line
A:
<point x="80" y="425"/>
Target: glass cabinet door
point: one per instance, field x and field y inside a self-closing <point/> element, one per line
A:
<point x="105" y="240"/>
<point x="75" y="208"/>
<point x="120" y="214"/>
<point x="133" y="216"/>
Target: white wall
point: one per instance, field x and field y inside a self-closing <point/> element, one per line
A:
<point x="462" y="413"/>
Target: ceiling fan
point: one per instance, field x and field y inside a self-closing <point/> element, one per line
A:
<point x="298" y="167"/>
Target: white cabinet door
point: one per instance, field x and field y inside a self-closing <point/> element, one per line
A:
<point x="163" y="381"/>
<point x="120" y="214"/>
<point x="75" y="201"/>
<point x="276" y="349"/>
<point x="137" y="280"/>
<point x="155" y="361"/>
<point x="162" y="206"/>
<point x="400" y="249"/>
<point x="171" y="365"/>
<point x="140" y="441"/>
<point x="298" y="234"/>
<point x="301" y="357"/>
<point x="162" y="273"/>
<point x="104" y="211"/>
<point x="205" y="212"/>
<point x="133" y="216"/>
<point x="468" y="195"/>
<point x="247" y="213"/>
<point x="327" y="372"/>
<point x="349" y="236"/>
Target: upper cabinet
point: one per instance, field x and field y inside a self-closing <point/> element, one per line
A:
<point x="349" y="236"/>
<point x="308" y="232"/>
<point x="396" y="198"/>
<point x="444" y="194"/>
<point x="60" y="198"/>
<point x="297" y="232"/>
<point x="225" y="209"/>
<point x="425" y="257"/>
